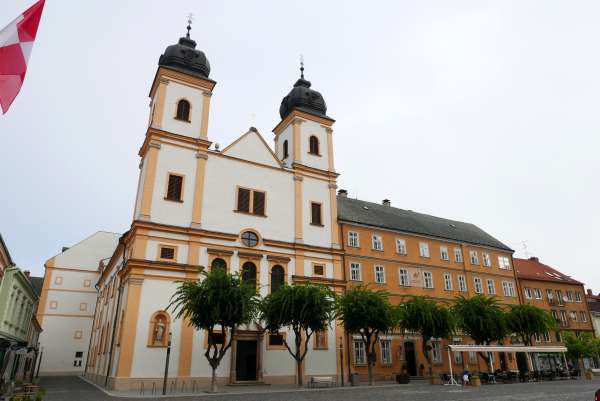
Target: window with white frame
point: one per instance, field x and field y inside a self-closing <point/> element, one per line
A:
<point x="583" y="316"/>
<point x="563" y="317"/>
<point x="504" y="262"/>
<point x="474" y="257"/>
<point x="377" y="243"/>
<point x="487" y="261"/>
<point x="404" y="277"/>
<point x="355" y="272"/>
<point x="509" y="288"/>
<point x="353" y="239"/>
<point x="547" y="337"/>
<point x="458" y="358"/>
<point x="436" y="351"/>
<point x="386" y="352"/>
<point x="570" y="296"/>
<point x="427" y="280"/>
<point x="444" y="253"/>
<point x="472" y="357"/>
<point x="478" y="285"/>
<point x="360" y="356"/>
<point x="462" y="283"/>
<point x="447" y="282"/>
<point x="491" y="286"/>
<point x="401" y="246"/>
<point x="528" y="293"/>
<point x="538" y="338"/>
<point x="379" y="274"/>
<point x="537" y="293"/>
<point x="424" y="249"/>
<point x="573" y="316"/>
<point x="578" y="296"/>
<point x="458" y="255"/>
<point x="550" y="294"/>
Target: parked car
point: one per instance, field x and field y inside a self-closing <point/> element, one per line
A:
<point x="597" y="395"/>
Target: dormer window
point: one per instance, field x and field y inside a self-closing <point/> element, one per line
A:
<point x="285" y="150"/>
<point x="313" y="143"/>
<point x="183" y="110"/>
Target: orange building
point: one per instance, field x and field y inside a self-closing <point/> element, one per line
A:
<point x="407" y="253"/>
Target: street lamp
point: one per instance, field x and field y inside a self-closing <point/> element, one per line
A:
<point x="167" y="365"/>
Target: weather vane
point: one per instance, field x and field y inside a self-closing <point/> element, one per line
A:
<point x="189" y="27"/>
<point x="301" y="66"/>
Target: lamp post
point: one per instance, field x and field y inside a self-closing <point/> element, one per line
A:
<point x="167" y="365"/>
<point x="37" y="374"/>
<point x="341" y="347"/>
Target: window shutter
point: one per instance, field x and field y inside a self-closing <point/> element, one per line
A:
<point x="243" y="200"/>
<point x="259" y="203"/>
<point x="174" y="187"/>
<point x="316" y="213"/>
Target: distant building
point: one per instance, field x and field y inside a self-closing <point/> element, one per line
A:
<point x="561" y="295"/>
<point x="67" y="303"/>
<point x="594" y="305"/>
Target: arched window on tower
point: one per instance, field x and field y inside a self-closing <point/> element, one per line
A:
<point x="249" y="274"/>
<point x="277" y="278"/>
<point x="285" y="149"/>
<point x="183" y="110"/>
<point x="159" y="329"/>
<point x="313" y="143"/>
<point x="218" y="263"/>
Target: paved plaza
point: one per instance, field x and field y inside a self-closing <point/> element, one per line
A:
<point x="75" y="389"/>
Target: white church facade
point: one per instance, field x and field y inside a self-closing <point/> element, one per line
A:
<point x="267" y="213"/>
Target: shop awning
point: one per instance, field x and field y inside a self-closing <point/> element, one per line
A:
<point x="506" y="348"/>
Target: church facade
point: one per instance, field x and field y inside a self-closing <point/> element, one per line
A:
<point x="270" y="215"/>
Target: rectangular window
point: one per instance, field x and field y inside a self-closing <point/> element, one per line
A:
<point x="258" y="203"/>
<point x="216" y="338"/>
<point x="276" y="340"/>
<point x="320" y="340"/>
<point x="353" y="239"/>
<point x="478" y="285"/>
<point x="444" y="253"/>
<point x="87" y="283"/>
<point x="427" y="280"/>
<point x="458" y="255"/>
<point x="447" y="282"/>
<point x="404" y="278"/>
<point x="474" y="257"/>
<point x="472" y="357"/>
<point x="167" y="252"/>
<point x="315" y="210"/>
<point x="570" y="296"/>
<point x="554" y="315"/>
<point x="458" y="358"/>
<point x="401" y="246"/>
<point x="537" y="293"/>
<point x="360" y="356"/>
<point x="574" y="316"/>
<point x="547" y="337"/>
<point x="83" y="306"/>
<point x="563" y="317"/>
<point x="243" y="201"/>
<point x="174" y="188"/>
<point x="491" y="286"/>
<point x="528" y="293"/>
<point x="355" y="272"/>
<point x="386" y="352"/>
<point x="538" y="338"/>
<point x="436" y="351"/>
<point x="559" y="297"/>
<point x="424" y="249"/>
<point x="509" y="288"/>
<point x="504" y="262"/>
<point x="583" y="316"/>
<point x="251" y="201"/>
<point x="550" y="295"/>
<point x="379" y="274"/>
<point x="487" y="261"/>
<point x="318" y="270"/>
<point x="377" y="243"/>
<point x="462" y="283"/>
<point x="578" y="297"/>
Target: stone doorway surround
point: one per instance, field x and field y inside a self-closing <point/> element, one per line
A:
<point x="247" y="335"/>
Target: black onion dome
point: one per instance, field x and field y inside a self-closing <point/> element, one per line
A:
<point x="184" y="57"/>
<point x="303" y="98"/>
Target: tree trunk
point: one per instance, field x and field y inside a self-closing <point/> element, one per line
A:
<point x="299" y="374"/>
<point x="370" y="369"/>
<point x="213" y="381"/>
<point x="427" y="357"/>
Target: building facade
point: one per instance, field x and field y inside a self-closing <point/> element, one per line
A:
<point x="406" y="254"/>
<point x="562" y="296"/>
<point x="267" y="214"/>
<point x="67" y="303"/>
<point x="594" y="306"/>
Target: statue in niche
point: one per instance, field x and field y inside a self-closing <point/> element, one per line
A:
<point x="159" y="330"/>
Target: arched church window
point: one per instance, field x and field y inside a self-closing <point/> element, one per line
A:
<point x="183" y="110"/>
<point x="218" y="263"/>
<point x="249" y="274"/>
<point x="277" y="278"/>
<point x="313" y="143"/>
<point x="285" y="149"/>
<point x="159" y="329"/>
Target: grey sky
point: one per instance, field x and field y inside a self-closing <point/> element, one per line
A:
<point x="481" y="111"/>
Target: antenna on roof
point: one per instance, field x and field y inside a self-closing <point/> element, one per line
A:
<point x="525" y="251"/>
<point x="189" y="26"/>
<point x="301" y="66"/>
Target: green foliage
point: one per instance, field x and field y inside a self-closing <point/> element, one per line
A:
<point x="481" y="318"/>
<point x="583" y="346"/>
<point x="527" y="320"/>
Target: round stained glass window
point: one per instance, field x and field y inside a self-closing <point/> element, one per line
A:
<point x="249" y="238"/>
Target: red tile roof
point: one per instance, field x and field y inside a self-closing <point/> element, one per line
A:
<point x="532" y="269"/>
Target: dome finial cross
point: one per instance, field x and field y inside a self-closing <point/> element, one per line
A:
<point x="189" y="26"/>
<point x="301" y="66"/>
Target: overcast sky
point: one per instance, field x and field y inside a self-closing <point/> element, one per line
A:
<point x="480" y="111"/>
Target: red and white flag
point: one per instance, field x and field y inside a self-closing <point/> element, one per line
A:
<point x="16" y="41"/>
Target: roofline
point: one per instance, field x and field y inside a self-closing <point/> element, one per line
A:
<point x="524" y="277"/>
<point x="3" y="244"/>
<point x="425" y="235"/>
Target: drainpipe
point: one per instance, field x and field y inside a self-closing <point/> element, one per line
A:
<point x="115" y="321"/>
<point x="87" y="359"/>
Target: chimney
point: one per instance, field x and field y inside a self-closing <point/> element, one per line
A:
<point x="27" y="273"/>
<point x="65" y="248"/>
<point x="386" y="202"/>
<point x="590" y="292"/>
<point x="535" y="259"/>
<point x="343" y="193"/>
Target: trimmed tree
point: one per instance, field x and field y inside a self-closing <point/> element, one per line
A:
<point x="217" y="303"/>
<point x="579" y="347"/>
<point x="424" y="316"/>
<point x="527" y="321"/>
<point x="306" y="309"/>
<point x="368" y="313"/>
<point x="481" y="318"/>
